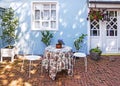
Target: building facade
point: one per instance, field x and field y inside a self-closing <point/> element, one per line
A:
<point x="67" y="20"/>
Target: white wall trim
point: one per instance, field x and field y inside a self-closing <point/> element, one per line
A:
<point x="104" y="5"/>
<point x="88" y="37"/>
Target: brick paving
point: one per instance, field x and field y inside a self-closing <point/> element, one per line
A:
<point x="105" y="72"/>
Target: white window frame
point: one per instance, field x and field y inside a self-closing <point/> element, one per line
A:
<point x="42" y="23"/>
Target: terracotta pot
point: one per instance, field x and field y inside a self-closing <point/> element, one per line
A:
<point x="58" y="45"/>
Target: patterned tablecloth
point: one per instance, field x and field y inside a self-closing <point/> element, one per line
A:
<point x="56" y="60"/>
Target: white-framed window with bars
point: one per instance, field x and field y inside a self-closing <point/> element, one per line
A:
<point x="111" y="24"/>
<point x="94" y="28"/>
<point x="44" y="15"/>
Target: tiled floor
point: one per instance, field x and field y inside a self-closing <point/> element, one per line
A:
<point x="105" y="72"/>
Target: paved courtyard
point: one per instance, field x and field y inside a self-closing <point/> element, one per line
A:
<point x="105" y="72"/>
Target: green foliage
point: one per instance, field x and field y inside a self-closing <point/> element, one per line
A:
<point x="78" y="41"/>
<point x="97" y="50"/>
<point x="46" y="37"/>
<point x="9" y="24"/>
<point x="93" y="14"/>
<point x="95" y="53"/>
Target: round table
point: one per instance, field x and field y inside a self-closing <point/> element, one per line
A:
<point x="58" y="59"/>
<point x="31" y="58"/>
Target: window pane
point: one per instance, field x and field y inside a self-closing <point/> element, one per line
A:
<point x="45" y="24"/>
<point x="53" y="14"/>
<point x="37" y="24"/>
<point x="111" y="25"/>
<point x="111" y="32"/>
<point x="115" y="33"/>
<point x="53" y="6"/>
<point x="46" y="15"/>
<point x="46" y="6"/>
<point x="53" y="24"/>
<point x="37" y="14"/>
<point x="95" y="31"/>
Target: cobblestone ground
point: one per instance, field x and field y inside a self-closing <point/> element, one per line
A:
<point x="105" y="72"/>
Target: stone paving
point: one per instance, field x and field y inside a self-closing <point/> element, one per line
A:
<point x="105" y="72"/>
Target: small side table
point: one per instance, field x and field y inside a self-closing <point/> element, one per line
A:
<point x="30" y="58"/>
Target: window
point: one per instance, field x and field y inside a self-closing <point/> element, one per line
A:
<point x="111" y="25"/>
<point x="94" y="28"/>
<point x="45" y="15"/>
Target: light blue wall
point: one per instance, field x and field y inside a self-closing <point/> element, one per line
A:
<point x="72" y="22"/>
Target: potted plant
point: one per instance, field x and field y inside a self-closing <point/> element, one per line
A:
<point x="9" y="24"/>
<point x="78" y="41"/>
<point x="94" y="14"/>
<point x="95" y="53"/>
<point x="46" y="37"/>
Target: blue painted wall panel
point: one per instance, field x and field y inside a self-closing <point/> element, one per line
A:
<point x="72" y="23"/>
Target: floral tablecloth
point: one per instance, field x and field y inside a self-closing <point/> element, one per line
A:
<point x="56" y="60"/>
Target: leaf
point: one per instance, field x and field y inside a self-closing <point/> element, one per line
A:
<point x="9" y="24"/>
<point x="78" y="41"/>
<point x="46" y="37"/>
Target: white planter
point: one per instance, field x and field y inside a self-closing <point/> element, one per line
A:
<point x="6" y="52"/>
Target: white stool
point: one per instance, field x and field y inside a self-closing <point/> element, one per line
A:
<point x="81" y="55"/>
<point x="30" y="58"/>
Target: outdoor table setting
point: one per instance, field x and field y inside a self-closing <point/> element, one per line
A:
<point x="58" y="59"/>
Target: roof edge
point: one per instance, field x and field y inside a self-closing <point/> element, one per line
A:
<point x="105" y="2"/>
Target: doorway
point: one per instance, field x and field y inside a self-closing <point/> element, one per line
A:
<point x="106" y="34"/>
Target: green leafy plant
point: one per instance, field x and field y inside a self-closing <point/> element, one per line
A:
<point x="96" y="50"/>
<point x="9" y="24"/>
<point x="95" y="53"/>
<point x="97" y="15"/>
<point x="78" y="41"/>
<point x="46" y="37"/>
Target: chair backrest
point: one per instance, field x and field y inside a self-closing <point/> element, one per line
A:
<point x="31" y="47"/>
<point x="28" y="48"/>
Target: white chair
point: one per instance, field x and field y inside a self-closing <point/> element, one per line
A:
<point x="81" y="54"/>
<point x="28" y="55"/>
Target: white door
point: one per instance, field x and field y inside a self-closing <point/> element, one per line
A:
<point x="105" y="34"/>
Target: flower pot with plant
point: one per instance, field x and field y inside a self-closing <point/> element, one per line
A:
<point x="95" y="53"/>
<point x="95" y="14"/>
<point x="46" y="37"/>
<point x="9" y="24"/>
